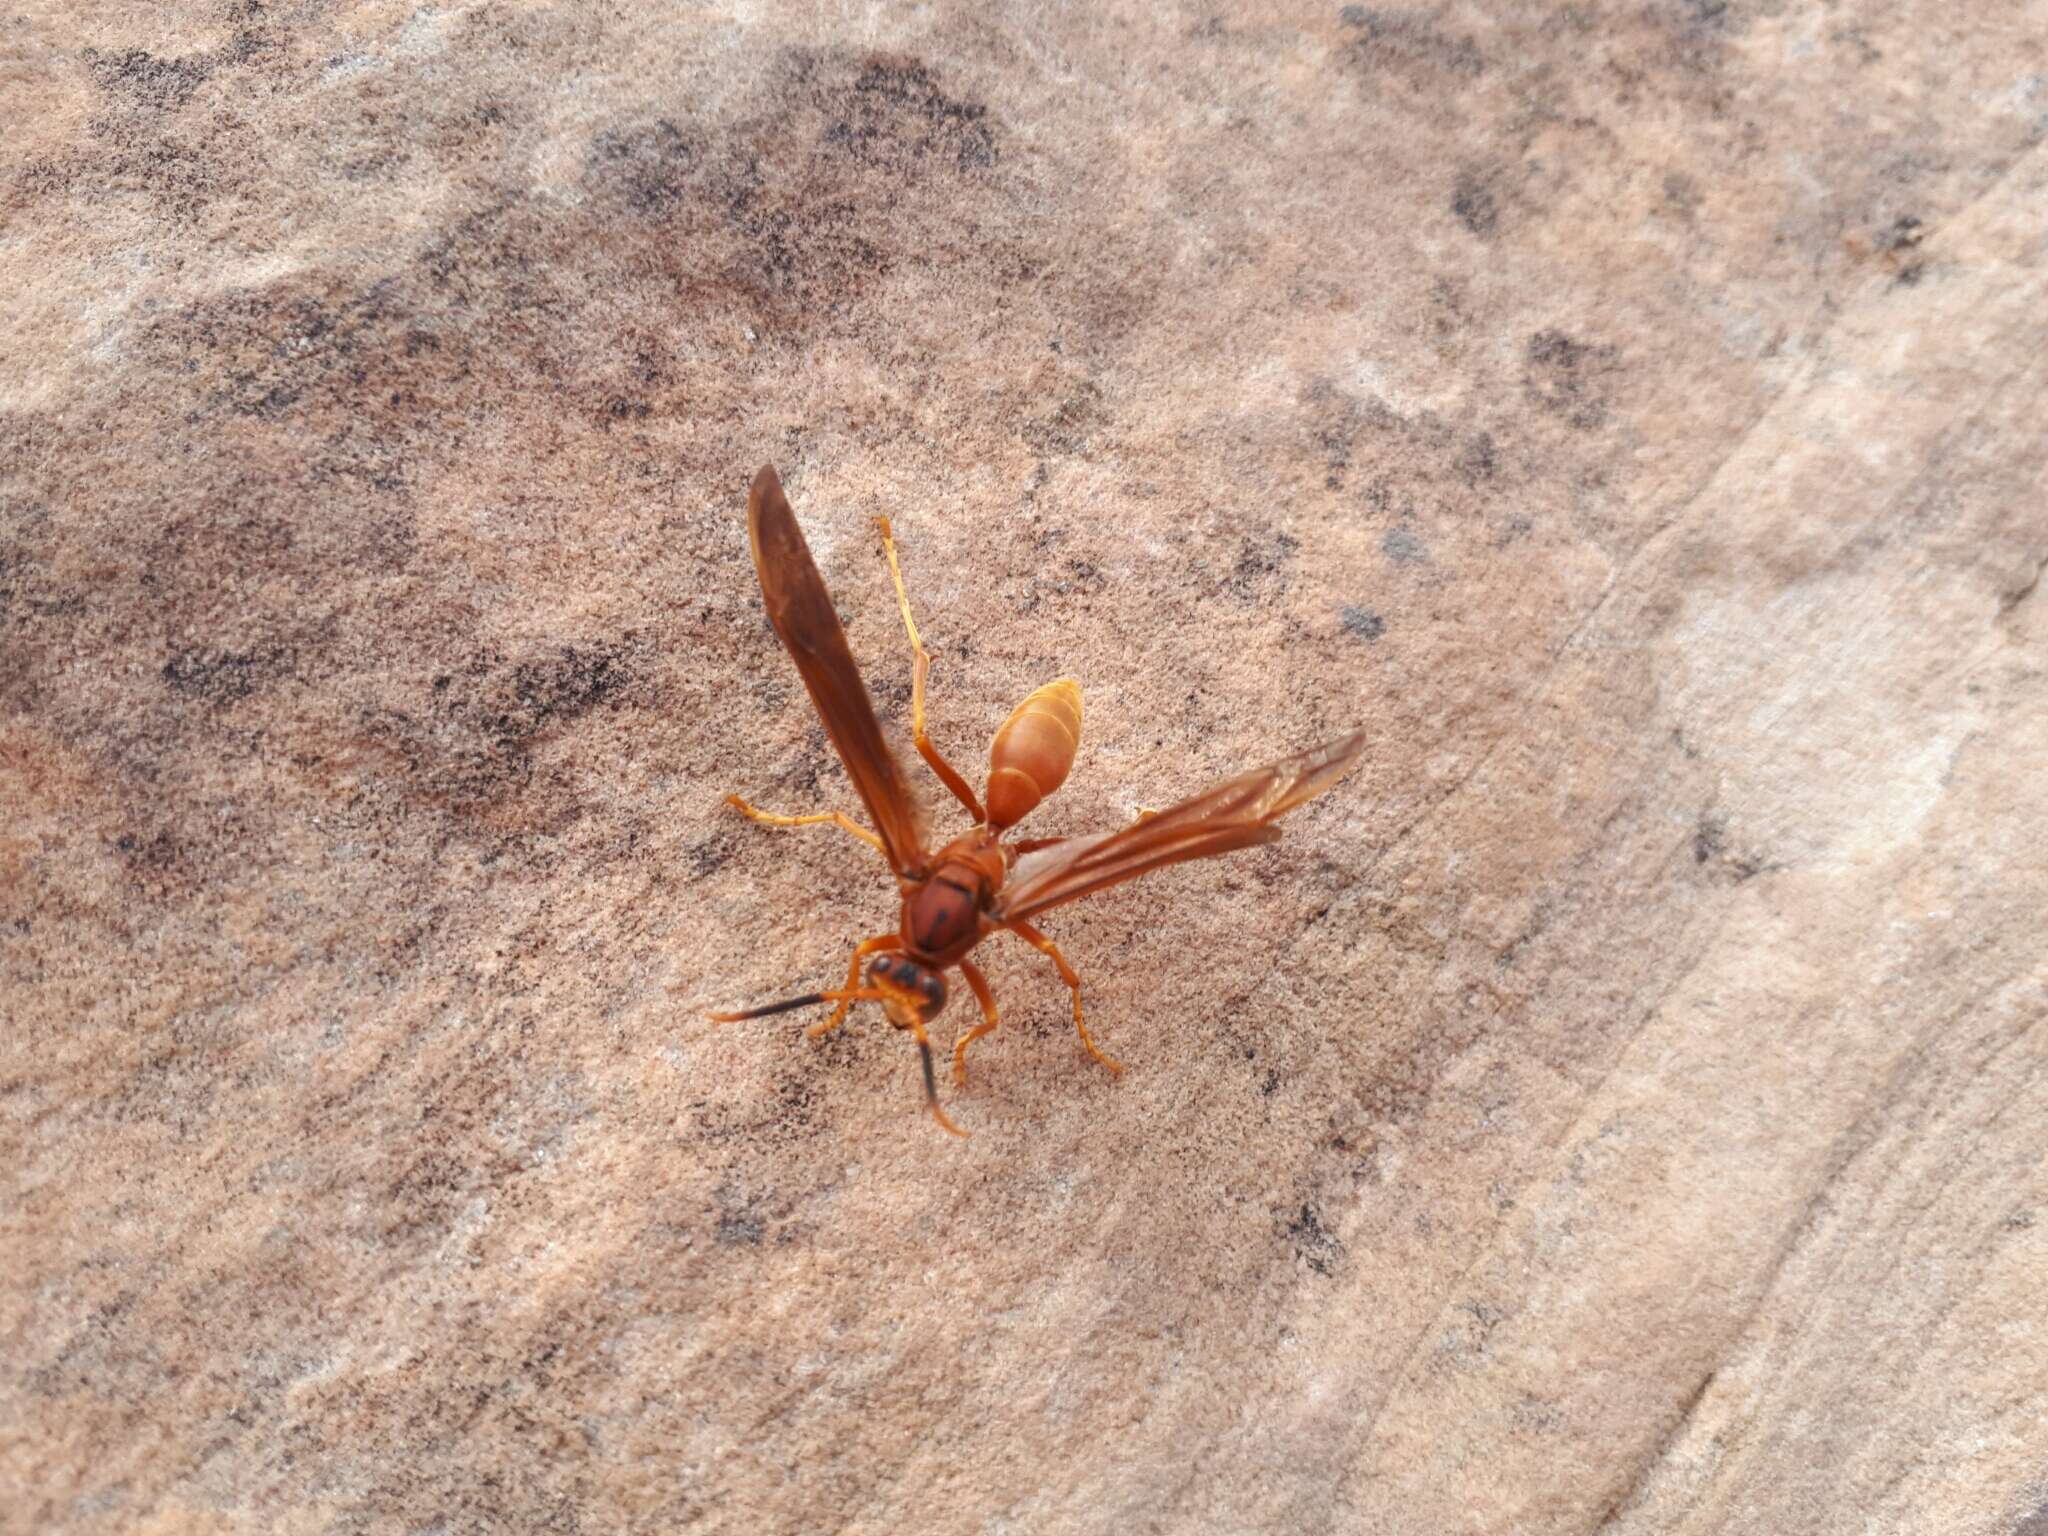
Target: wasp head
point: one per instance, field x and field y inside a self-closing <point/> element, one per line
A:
<point x="911" y="993"/>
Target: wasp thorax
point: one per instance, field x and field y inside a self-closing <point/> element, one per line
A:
<point x="942" y="917"/>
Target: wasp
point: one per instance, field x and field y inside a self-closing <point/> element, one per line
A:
<point x="981" y="882"/>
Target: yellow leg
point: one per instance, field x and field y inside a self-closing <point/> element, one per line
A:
<point x="919" y="668"/>
<point x="1051" y="951"/>
<point x="837" y="818"/>
<point x="866" y="947"/>
<point x="987" y="999"/>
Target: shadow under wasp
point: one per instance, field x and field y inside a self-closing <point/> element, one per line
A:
<point x="977" y="884"/>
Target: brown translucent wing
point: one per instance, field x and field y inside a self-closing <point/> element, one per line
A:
<point x="1236" y="813"/>
<point x="801" y="610"/>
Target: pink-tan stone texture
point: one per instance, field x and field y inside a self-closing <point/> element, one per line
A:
<point x="1621" y="1107"/>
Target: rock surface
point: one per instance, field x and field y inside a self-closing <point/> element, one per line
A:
<point x="1620" y="1107"/>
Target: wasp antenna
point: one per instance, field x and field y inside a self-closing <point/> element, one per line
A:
<point x="762" y="1012"/>
<point x="853" y="994"/>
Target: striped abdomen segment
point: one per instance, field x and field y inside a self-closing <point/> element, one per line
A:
<point x="1033" y="751"/>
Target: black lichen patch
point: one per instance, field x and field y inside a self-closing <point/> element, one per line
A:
<point x="1313" y="1243"/>
<point x="162" y="85"/>
<point x="471" y="750"/>
<point x="896" y="115"/>
<point x="1569" y="378"/>
<point x="1409" y="47"/>
<point x="1415" y="476"/>
<point x="844" y="167"/>
<point x="1473" y="203"/>
<point x="2008" y="600"/>
<point x="361" y="364"/>
<point x="1262" y="562"/>
<point x="1363" y="623"/>
<point x="797" y="1112"/>
<point x="555" y="690"/>
<point x="1054" y="581"/>
<point x="835" y="171"/>
<point x="1899" y="245"/>
<point x="145" y="142"/>
<point x="740" y="1227"/>
<point x="1476" y="461"/>
<point x="172" y="860"/>
<point x="1709" y="838"/>
<point x="1067" y="428"/>
<point x="428" y="1183"/>
<point x="1335" y="419"/>
<point x="221" y="677"/>
<point x="1403" y="546"/>
<point x="1710" y="847"/>
<point x="653" y="166"/>
<point x="180" y="179"/>
<point x="708" y="855"/>
<point x="619" y="409"/>
<point x="148" y="854"/>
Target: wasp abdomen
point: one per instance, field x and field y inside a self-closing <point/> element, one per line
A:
<point x="1033" y="751"/>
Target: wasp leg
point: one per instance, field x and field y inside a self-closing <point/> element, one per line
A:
<point x="1033" y="844"/>
<point x="866" y="947"/>
<point x="837" y="818"/>
<point x="1051" y="951"/>
<point x="952" y="780"/>
<point x="987" y="999"/>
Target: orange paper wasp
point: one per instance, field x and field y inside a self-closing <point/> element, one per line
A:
<point x="976" y="884"/>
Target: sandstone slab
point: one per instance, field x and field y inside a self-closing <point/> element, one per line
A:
<point x="1618" y="1108"/>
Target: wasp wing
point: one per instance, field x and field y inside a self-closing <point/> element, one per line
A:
<point x="801" y="610"/>
<point x="1236" y="813"/>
